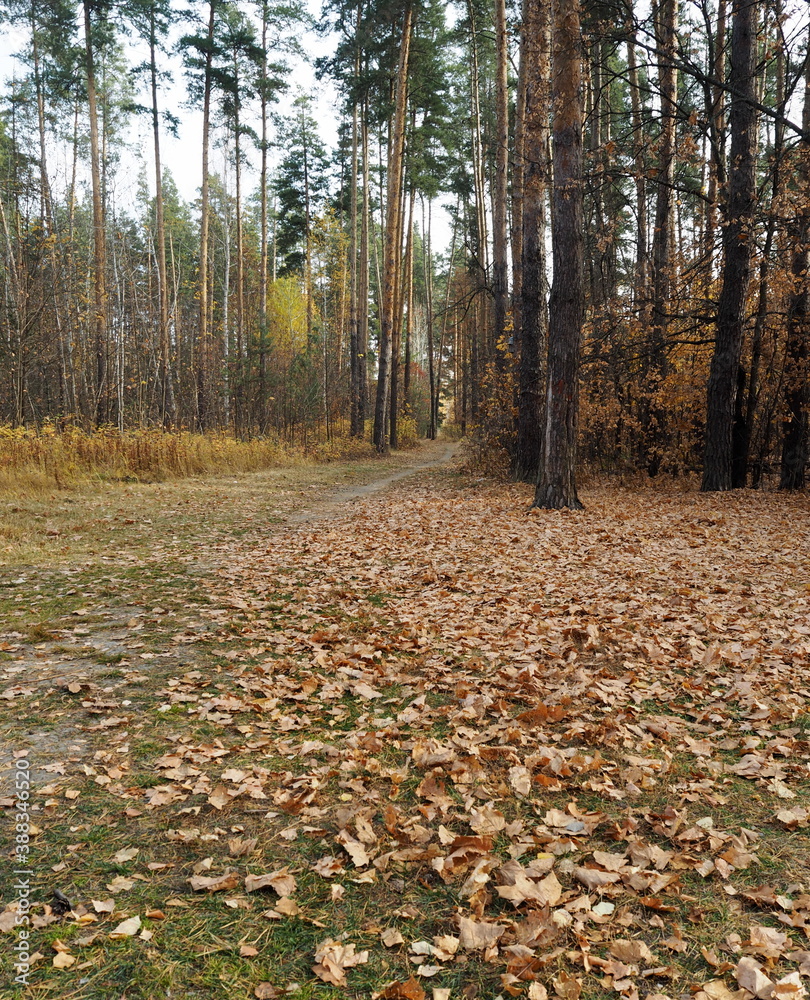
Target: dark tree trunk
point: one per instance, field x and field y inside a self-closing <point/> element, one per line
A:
<point x="737" y="243"/>
<point x="795" y="443"/>
<point x="556" y="487"/>
<point x="500" y="266"/>
<point x="533" y="313"/>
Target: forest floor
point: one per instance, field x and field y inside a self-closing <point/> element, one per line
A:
<point x="376" y="730"/>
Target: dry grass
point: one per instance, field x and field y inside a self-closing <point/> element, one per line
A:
<point x="36" y="462"/>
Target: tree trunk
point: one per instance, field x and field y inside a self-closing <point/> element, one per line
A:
<point x="405" y="273"/>
<point x="392" y="227"/>
<point x="481" y="251"/>
<point x="204" y="347"/>
<point x="363" y="284"/>
<point x="640" y="289"/>
<point x="653" y="417"/>
<point x="101" y="407"/>
<point x="500" y="265"/>
<point x="556" y="486"/>
<point x="716" y="118"/>
<point x="263" y="254"/>
<point x="737" y="242"/>
<point x="797" y="350"/>
<point x="166" y="405"/>
<point x="534" y="316"/>
<point x="355" y="427"/>
<point x="742" y="439"/>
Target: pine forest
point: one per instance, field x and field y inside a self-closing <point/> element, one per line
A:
<point x="575" y="233"/>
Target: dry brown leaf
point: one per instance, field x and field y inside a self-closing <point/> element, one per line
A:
<point x="127" y="928"/>
<point x="767" y="941"/>
<point x="593" y="879"/>
<point x="632" y="952"/>
<point x="127" y="854"/>
<point x="487" y="820"/>
<point x="120" y="884"/>
<point x="216" y="883"/>
<point x="266" y="991"/>
<point x="789" y="987"/>
<point x="391" y="937"/>
<point x="519" y="888"/>
<point x="475" y="935"/>
<point x="281" y="882"/>
<point x="567" y="987"/>
<point x="408" y="989"/>
<point x="802" y="959"/>
<point x="750" y="976"/>
<point x="354" y="848"/>
<point x="333" y="958"/>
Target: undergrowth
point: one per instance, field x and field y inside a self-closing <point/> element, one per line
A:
<point x="36" y="461"/>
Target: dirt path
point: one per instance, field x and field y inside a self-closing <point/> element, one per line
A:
<point x="136" y="614"/>
<point x="434" y="455"/>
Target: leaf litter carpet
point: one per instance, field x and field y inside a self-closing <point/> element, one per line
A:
<point x="585" y="734"/>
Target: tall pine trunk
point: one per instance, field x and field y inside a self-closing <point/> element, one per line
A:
<point x="795" y="443"/>
<point x="534" y="316"/>
<point x="391" y="251"/>
<point x="738" y="238"/>
<point x="204" y="346"/>
<point x="500" y="266"/>
<point x="166" y="405"/>
<point x="556" y="487"/>
<point x="101" y="410"/>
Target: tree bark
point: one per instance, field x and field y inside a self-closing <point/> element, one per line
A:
<point x="797" y="350"/>
<point x="500" y="266"/>
<point x="166" y="407"/>
<point x="204" y="347"/>
<point x="640" y="289"/>
<point x="363" y="283"/>
<point x="101" y="407"/>
<point x="391" y="254"/>
<point x="653" y="417"/>
<point x="737" y="243"/>
<point x="556" y="487"/>
<point x="355" y="428"/>
<point x="534" y="316"/>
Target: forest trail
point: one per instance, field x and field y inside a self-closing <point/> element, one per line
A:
<point x="432" y="455"/>
<point x="422" y="739"/>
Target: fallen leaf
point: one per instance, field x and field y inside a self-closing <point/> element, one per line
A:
<point x="281" y="882"/>
<point x="408" y="989"/>
<point x="476" y="935"/>
<point x="266" y="991"/>
<point x="127" y="928"/>
<point x="216" y="883"/>
<point x="333" y="958"/>
<point x="750" y="976"/>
